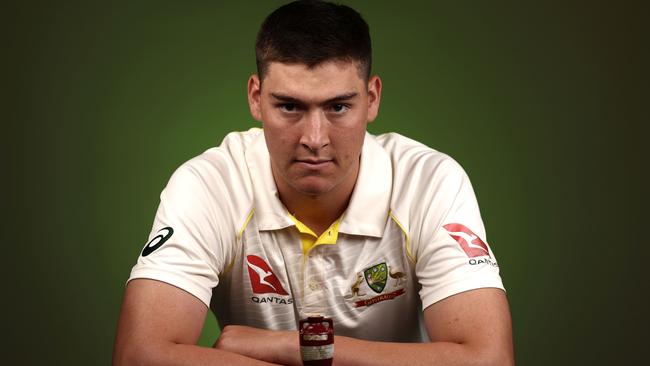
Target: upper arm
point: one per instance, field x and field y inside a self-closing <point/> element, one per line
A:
<point x="479" y="319"/>
<point x="155" y="314"/>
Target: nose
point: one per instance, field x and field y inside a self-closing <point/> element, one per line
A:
<point x="315" y="134"/>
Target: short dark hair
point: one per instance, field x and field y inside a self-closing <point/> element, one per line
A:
<point x="311" y="32"/>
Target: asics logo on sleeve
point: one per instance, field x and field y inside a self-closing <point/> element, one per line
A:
<point x="157" y="241"/>
<point x="471" y="244"/>
<point x="263" y="280"/>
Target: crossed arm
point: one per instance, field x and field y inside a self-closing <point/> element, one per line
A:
<point x="160" y="325"/>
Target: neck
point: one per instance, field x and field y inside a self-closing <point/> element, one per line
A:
<point x="318" y="212"/>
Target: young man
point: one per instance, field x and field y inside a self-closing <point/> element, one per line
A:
<point x="313" y="215"/>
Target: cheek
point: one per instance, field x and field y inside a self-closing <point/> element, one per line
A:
<point x="350" y="145"/>
<point x="278" y="142"/>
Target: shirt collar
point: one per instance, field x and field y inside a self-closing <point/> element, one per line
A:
<point x="269" y="211"/>
<point x="370" y="202"/>
<point x="367" y="211"/>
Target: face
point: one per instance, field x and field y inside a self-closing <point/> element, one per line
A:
<point x="314" y="122"/>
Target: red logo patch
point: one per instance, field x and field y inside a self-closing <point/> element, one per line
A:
<point x="263" y="280"/>
<point x="470" y="242"/>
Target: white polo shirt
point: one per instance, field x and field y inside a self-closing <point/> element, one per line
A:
<point x="412" y="235"/>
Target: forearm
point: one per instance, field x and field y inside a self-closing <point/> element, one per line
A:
<point x="351" y="351"/>
<point x="181" y="355"/>
<point x="282" y="347"/>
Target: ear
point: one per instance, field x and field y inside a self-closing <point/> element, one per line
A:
<point x="374" y="97"/>
<point x="254" y="97"/>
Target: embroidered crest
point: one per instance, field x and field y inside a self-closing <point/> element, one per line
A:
<point x="376" y="277"/>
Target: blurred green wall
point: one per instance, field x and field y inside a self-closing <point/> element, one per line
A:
<point x="542" y="103"/>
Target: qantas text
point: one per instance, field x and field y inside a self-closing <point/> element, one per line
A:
<point x="272" y="299"/>
<point x="474" y="261"/>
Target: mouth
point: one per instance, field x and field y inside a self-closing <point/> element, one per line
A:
<point x="314" y="163"/>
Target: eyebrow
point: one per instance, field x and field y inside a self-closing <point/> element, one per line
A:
<point x="338" y="98"/>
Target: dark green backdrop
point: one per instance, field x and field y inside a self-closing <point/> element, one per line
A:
<point x="541" y="103"/>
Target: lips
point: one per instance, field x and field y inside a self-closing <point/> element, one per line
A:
<point x="314" y="163"/>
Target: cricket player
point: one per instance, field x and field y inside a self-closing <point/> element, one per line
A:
<point x="311" y="214"/>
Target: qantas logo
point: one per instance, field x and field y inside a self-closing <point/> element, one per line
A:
<point x="470" y="242"/>
<point x="263" y="280"/>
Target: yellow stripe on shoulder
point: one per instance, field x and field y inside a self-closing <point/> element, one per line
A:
<point x="240" y="234"/>
<point x="409" y="252"/>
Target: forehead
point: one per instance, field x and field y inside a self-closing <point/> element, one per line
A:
<point x="322" y="81"/>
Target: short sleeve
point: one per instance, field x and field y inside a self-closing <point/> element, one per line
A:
<point x="184" y="248"/>
<point x="453" y="255"/>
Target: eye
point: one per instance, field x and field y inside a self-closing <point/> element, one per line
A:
<point x="339" y="108"/>
<point x="287" y="107"/>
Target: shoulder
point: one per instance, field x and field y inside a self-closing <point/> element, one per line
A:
<point x="225" y="159"/>
<point x="217" y="181"/>
<point x="425" y="181"/>
<point x="225" y="163"/>
<point x="415" y="165"/>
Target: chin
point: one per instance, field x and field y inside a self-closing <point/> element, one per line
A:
<point x="312" y="191"/>
<point x="312" y="188"/>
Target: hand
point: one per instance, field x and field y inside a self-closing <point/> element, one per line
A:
<point x="273" y="346"/>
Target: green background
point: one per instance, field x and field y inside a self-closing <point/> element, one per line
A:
<point x="544" y="104"/>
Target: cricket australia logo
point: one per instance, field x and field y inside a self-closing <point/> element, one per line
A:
<point x="376" y="277"/>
